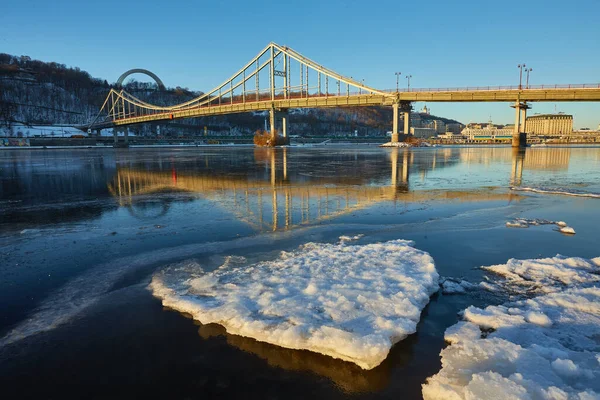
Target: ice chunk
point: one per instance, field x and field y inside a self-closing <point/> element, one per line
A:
<point x="540" y="348"/>
<point x="567" y="229"/>
<point x="544" y="275"/>
<point x="563" y="191"/>
<point x="518" y="223"/>
<point x="456" y="286"/>
<point x="351" y="302"/>
<point x="462" y="330"/>
<point x="526" y="222"/>
<point x="345" y="238"/>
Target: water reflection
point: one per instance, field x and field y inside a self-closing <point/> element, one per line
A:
<point x="290" y="194"/>
<point x="346" y="375"/>
<point x="518" y="156"/>
<point x="270" y="189"/>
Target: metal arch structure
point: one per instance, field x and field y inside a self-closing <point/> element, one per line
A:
<point x="278" y="77"/>
<point x="151" y="74"/>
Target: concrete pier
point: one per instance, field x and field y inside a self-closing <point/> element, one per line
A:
<point x="519" y="138"/>
<point x="397" y="107"/>
<point x="278" y="118"/>
<point x="406" y="108"/>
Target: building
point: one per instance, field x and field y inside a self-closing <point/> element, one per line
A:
<point x="454" y="128"/>
<point x="488" y="133"/>
<point x="549" y="124"/>
<point x="423" y="133"/>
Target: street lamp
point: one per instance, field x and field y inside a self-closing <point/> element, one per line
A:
<point x="528" y="70"/>
<point x="408" y="78"/>
<point x="521" y="66"/>
<point x="397" y="79"/>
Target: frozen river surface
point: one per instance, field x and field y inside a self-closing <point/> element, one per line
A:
<point x="213" y="273"/>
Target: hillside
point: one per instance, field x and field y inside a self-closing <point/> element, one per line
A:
<point x="47" y="93"/>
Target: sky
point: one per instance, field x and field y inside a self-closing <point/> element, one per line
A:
<point x="441" y="43"/>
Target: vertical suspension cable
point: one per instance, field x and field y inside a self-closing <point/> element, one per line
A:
<point x="244" y="87"/>
<point x="301" y="80"/>
<point x="257" y="82"/>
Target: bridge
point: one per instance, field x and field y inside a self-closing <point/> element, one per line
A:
<point x="279" y="78"/>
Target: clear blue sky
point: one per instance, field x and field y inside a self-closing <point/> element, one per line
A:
<point x="198" y="44"/>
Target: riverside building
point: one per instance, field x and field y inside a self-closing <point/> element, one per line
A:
<point x="550" y="124"/>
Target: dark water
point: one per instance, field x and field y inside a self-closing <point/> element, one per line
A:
<point x="82" y="232"/>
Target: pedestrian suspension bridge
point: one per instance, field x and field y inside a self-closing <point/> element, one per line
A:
<point x="279" y="78"/>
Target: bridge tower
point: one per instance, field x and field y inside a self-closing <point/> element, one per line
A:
<point x="519" y="138"/>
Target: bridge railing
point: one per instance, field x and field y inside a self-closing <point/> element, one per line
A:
<point x="490" y="88"/>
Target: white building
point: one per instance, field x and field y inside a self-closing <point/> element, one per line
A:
<point x="489" y="132"/>
<point x="423" y="133"/>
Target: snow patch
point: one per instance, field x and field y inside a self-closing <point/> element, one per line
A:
<point x="348" y="302"/>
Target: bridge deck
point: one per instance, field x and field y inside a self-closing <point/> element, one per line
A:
<point x="356" y="100"/>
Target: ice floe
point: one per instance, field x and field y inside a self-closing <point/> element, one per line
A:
<point x="396" y="144"/>
<point x="351" y="302"/>
<point x="562" y="191"/>
<point x="527" y="222"/>
<point x="567" y="229"/>
<point x="455" y="286"/>
<point x="544" y="275"/>
<point x="346" y="238"/>
<point x="541" y="348"/>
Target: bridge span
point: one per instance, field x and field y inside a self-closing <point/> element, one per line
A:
<point x="279" y="78"/>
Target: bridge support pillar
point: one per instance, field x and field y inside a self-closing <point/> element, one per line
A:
<point x="395" y="108"/>
<point x="272" y="129"/>
<point x="519" y="138"/>
<point x="406" y="109"/>
<point x="278" y="118"/>
<point x="115" y="136"/>
<point x="126" y="135"/>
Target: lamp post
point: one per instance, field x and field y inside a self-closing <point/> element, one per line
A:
<point x="408" y="78"/>
<point x="397" y="79"/>
<point x="521" y="66"/>
<point x="528" y="70"/>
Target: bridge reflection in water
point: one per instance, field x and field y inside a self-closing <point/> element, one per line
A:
<point x="280" y="199"/>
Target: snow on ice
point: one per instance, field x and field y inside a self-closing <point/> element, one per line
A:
<point x="545" y="347"/>
<point x="544" y="275"/>
<point x="351" y="302"/>
<point x="541" y="348"/>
